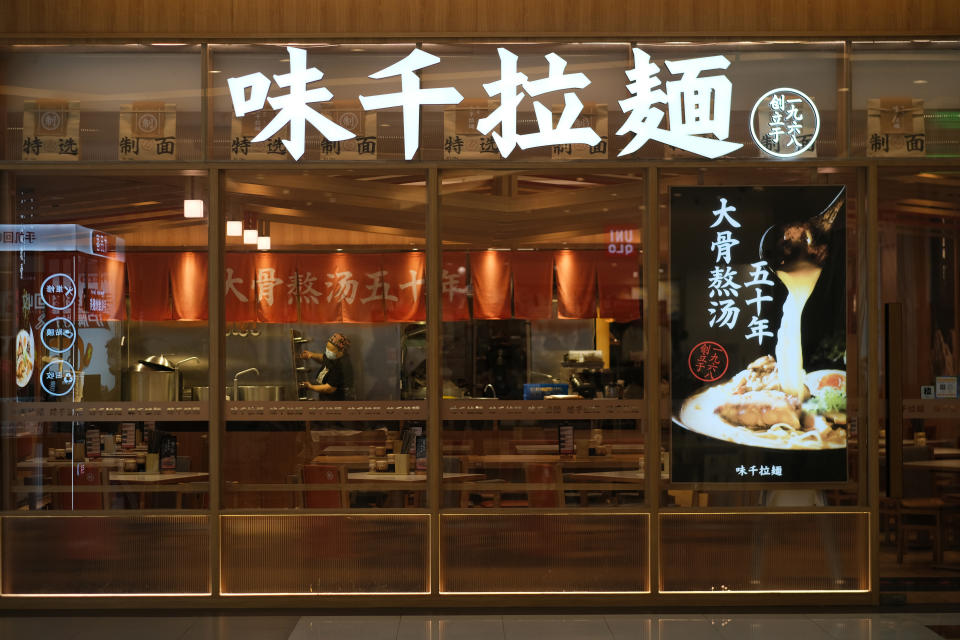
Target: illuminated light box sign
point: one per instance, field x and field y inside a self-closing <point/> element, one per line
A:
<point x="60" y="237"/>
<point x="759" y="364"/>
<point x="686" y="106"/>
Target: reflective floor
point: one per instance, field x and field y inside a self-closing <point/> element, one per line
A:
<point x="812" y="626"/>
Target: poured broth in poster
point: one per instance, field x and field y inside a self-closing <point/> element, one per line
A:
<point x="758" y="327"/>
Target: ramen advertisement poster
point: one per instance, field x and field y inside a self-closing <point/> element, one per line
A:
<point x="758" y="329"/>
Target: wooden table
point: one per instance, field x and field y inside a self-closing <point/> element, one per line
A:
<point x="545" y="449"/>
<point x="505" y="461"/>
<point x="152" y="478"/>
<point x="386" y="476"/>
<point x="627" y="475"/>
<point x="406" y="480"/>
<point x="356" y="462"/>
<point x="46" y="463"/>
<point x="347" y="450"/>
<point x="950" y="465"/>
<point x="537" y="449"/>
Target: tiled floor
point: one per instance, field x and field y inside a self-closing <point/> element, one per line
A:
<point x="618" y="626"/>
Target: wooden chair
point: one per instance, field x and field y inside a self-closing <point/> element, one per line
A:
<point x="89" y="477"/>
<point x="324" y="474"/>
<point x="546" y="473"/>
<point x="920" y="510"/>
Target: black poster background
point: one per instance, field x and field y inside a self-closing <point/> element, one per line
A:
<point x="699" y="458"/>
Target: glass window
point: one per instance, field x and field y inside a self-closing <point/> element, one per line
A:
<point x="137" y="103"/>
<point x="906" y="103"/>
<point x="326" y="338"/>
<point x="543" y="348"/>
<point x="109" y="361"/>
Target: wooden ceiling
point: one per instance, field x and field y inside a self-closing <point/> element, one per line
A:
<point x="422" y="19"/>
<point x="922" y="200"/>
<point x="370" y="211"/>
<point x="363" y="211"/>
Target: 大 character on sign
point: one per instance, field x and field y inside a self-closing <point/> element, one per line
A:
<point x="230" y="286"/>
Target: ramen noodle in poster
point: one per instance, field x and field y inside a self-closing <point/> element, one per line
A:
<point x="759" y="334"/>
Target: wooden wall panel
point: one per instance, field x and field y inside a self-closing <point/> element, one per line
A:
<point x="288" y="19"/>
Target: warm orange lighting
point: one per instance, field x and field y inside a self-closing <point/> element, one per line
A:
<point x="105" y="595"/>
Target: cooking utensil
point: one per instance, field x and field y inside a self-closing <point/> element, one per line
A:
<point x="266" y="392"/>
<point x="155" y="379"/>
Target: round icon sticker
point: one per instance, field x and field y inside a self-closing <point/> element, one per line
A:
<point x="349" y="120"/>
<point x="147" y="122"/>
<point x="784" y="123"/>
<point x="58" y="335"/>
<point x="50" y="120"/>
<point x="58" y="378"/>
<point x="708" y="361"/>
<point x="58" y="291"/>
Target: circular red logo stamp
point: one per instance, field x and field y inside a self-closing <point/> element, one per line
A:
<point x="708" y="361"/>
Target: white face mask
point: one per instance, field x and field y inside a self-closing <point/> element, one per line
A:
<point x="330" y="354"/>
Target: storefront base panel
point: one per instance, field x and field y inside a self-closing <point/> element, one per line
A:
<point x="760" y="553"/>
<point x="106" y="555"/>
<point x="325" y="554"/>
<point x="544" y="553"/>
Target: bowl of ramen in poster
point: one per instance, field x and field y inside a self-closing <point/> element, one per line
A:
<point x="26" y="356"/>
<point x="755" y="409"/>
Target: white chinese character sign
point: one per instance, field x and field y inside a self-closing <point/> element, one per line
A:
<point x="685" y="105"/>
<point x="759" y="370"/>
<point x="698" y="106"/>
<point x="785" y="123"/>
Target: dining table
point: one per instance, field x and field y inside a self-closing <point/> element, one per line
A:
<point x="407" y="478"/>
<point x="155" y="478"/>
<point x="620" y="476"/>
<point x="946" y="465"/>
<point x="415" y="483"/>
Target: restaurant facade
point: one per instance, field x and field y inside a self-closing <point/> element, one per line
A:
<point x="574" y="310"/>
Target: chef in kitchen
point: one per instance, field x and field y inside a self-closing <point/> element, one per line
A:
<point x="331" y="380"/>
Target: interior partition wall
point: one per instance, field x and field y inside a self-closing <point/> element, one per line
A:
<point x="472" y="265"/>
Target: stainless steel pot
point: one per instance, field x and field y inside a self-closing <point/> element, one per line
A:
<point x="267" y="392"/>
<point x="142" y="383"/>
<point x="154" y="379"/>
<point x="202" y="394"/>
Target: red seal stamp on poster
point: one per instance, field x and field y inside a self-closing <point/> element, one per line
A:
<point x="708" y="361"/>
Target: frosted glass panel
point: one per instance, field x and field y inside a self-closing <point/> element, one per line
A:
<point x="303" y="554"/>
<point x="544" y="553"/>
<point x="764" y="552"/>
<point x="98" y="555"/>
